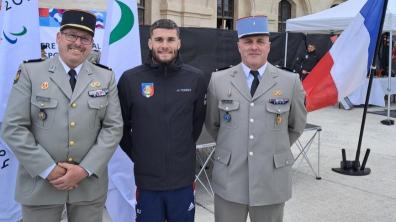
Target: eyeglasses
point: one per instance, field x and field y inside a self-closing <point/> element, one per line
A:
<point x="72" y="38"/>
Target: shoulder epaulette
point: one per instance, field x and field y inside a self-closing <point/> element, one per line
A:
<point x="102" y="66"/>
<point x="33" y="60"/>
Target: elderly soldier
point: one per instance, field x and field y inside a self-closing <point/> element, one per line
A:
<point x="63" y="122"/>
<point x="255" y="112"/>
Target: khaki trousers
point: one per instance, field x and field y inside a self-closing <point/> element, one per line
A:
<point x="226" y="211"/>
<point x="85" y="211"/>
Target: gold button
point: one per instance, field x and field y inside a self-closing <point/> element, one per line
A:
<point x="73" y="105"/>
<point x="70" y="159"/>
<point x="72" y="124"/>
<point x="71" y="143"/>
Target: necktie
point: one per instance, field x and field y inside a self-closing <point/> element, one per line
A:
<point x="255" y="82"/>
<point x="72" y="73"/>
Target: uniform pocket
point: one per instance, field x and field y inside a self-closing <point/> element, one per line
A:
<point x="222" y="156"/>
<point x="228" y="111"/>
<point x="220" y="170"/>
<point x="283" y="159"/>
<point x="98" y="108"/>
<point x="277" y="116"/>
<point x="42" y="113"/>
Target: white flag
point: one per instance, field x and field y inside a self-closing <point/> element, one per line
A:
<point x="10" y="211"/>
<point x="121" y="47"/>
<point x="121" y="51"/>
<point x="19" y="40"/>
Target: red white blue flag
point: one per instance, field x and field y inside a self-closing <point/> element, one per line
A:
<point x="345" y="66"/>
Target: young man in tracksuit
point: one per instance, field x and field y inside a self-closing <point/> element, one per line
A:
<point x="162" y="103"/>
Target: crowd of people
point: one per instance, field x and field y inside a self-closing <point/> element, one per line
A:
<point x="66" y="115"/>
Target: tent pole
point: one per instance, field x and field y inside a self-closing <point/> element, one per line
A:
<point x="389" y="121"/>
<point x="285" y="59"/>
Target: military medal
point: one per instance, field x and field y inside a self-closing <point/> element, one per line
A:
<point x="95" y="84"/>
<point x="42" y="115"/>
<point x="278" y="119"/>
<point x="227" y="117"/>
<point x="277" y="93"/>
<point x="44" y="85"/>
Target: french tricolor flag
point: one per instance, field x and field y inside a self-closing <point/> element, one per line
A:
<point x="345" y="66"/>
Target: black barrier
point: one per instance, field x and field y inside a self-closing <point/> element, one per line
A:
<point x="209" y="49"/>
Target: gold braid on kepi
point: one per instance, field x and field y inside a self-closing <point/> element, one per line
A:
<point x="79" y="19"/>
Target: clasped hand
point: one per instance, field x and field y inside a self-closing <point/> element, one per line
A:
<point x="66" y="176"/>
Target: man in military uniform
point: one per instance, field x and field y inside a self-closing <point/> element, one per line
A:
<point x="63" y="122"/>
<point x="255" y="112"/>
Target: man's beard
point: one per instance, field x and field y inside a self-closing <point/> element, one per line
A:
<point x="158" y="60"/>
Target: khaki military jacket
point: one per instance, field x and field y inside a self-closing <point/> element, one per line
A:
<point x="253" y="160"/>
<point x="46" y="123"/>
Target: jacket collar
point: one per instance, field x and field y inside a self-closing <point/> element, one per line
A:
<point x="174" y="66"/>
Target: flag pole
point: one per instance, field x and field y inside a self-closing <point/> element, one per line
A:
<point x="352" y="167"/>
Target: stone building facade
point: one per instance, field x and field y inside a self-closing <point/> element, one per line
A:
<point x="210" y="13"/>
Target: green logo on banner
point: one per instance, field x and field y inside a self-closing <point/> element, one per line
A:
<point x="125" y="24"/>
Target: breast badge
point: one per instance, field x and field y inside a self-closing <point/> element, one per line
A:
<point x="95" y="84"/>
<point x="147" y="89"/>
<point x="227" y="117"/>
<point x="277" y="93"/>
<point x="42" y="115"/>
<point x="278" y="119"/>
<point x="44" y="85"/>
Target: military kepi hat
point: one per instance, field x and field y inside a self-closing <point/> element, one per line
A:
<point x="79" y="19"/>
<point x="253" y="25"/>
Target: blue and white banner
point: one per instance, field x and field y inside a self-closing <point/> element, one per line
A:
<point x="19" y="40"/>
<point x="10" y="211"/>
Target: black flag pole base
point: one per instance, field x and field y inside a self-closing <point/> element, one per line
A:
<point x="352" y="171"/>
<point x="352" y="167"/>
<point x="388" y="122"/>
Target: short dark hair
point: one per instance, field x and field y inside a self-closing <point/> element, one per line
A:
<point x="164" y="24"/>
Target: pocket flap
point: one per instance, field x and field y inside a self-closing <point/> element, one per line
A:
<point x="277" y="108"/>
<point x="48" y="104"/>
<point x="222" y="156"/>
<point x="283" y="159"/>
<point x="234" y="105"/>
<point x="97" y="103"/>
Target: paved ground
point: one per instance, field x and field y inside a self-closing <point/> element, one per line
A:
<point x="336" y="197"/>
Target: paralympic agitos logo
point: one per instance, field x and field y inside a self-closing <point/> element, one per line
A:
<point x="13" y="36"/>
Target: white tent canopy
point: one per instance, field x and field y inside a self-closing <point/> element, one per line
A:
<point x="338" y="18"/>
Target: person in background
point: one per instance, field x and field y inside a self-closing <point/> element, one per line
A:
<point x="306" y="62"/>
<point x="255" y="112"/>
<point x="162" y="103"/>
<point x="383" y="55"/>
<point x="63" y="122"/>
<point x="43" y="53"/>
<point x="94" y="56"/>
